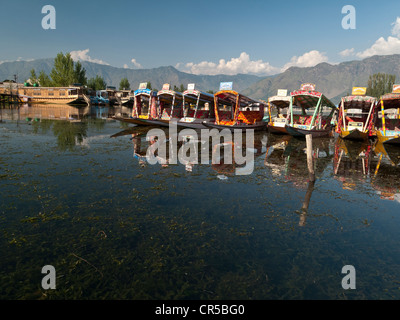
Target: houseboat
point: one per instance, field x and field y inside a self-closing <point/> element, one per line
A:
<point x="125" y="97"/>
<point x="112" y="95"/>
<point x="54" y="95"/>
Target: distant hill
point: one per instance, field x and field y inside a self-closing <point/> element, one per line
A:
<point x="334" y="81"/>
<point x="113" y="75"/>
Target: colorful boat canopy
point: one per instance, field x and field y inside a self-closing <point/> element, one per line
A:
<point x="143" y="91"/>
<point x="390" y="100"/>
<point x="197" y="93"/>
<point x="309" y="99"/>
<point x="280" y="101"/>
<point x="232" y="96"/>
<point x="358" y="102"/>
<point x="169" y="92"/>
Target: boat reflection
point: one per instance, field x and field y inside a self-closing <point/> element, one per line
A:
<point x="359" y="164"/>
<point x="287" y="159"/>
<point x="192" y="150"/>
<point x="386" y="171"/>
<point x="38" y="112"/>
<point x="352" y="161"/>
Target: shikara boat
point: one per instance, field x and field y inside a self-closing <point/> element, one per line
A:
<point x="388" y="122"/>
<point x="356" y="115"/>
<point x="198" y="106"/>
<point x="235" y="111"/>
<point x="169" y="107"/>
<point x="279" y="103"/>
<point x="313" y="119"/>
<point x="144" y="107"/>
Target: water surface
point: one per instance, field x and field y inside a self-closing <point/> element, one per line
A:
<point x="78" y="193"/>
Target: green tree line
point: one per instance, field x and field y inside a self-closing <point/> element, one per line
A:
<point x="66" y="72"/>
<point x="380" y="84"/>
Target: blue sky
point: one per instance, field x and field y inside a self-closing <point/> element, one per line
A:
<point x="254" y="36"/>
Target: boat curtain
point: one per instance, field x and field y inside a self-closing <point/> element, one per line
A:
<point x="153" y="107"/>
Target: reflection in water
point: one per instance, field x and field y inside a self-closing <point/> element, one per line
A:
<point x="38" y="112"/>
<point x="352" y="162"/>
<point x="68" y="123"/>
<point x="194" y="150"/>
<point x="148" y="232"/>
<point x="357" y="163"/>
<point x="386" y="171"/>
<point x="69" y="134"/>
<point x="287" y="158"/>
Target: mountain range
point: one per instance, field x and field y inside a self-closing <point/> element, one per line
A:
<point x="112" y="75"/>
<point x="334" y="80"/>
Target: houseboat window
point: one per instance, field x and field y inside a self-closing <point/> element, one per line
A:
<point x="62" y="92"/>
<point x="72" y="92"/>
<point x="36" y="92"/>
<point x="50" y="92"/>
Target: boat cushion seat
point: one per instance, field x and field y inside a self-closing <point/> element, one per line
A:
<point x="202" y="114"/>
<point x="224" y="115"/>
<point x="250" y="117"/>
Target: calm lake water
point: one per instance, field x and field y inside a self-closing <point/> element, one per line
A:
<point x="77" y="193"/>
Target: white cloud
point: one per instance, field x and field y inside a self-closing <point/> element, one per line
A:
<point x="347" y="52"/>
<point x="381" y="47"/>
<point x="126" y="66"/>
<point x="309" y="59"/>
<point x="136" y="64"/>
<point x="396" y="28"/>
<point x="18" y="59"/>
<point x="83" y="56"/>
<point x="242" y="64"/>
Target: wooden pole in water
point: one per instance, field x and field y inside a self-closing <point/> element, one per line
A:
<point x="310" y="162"/>
<point x="311" y="182"/>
